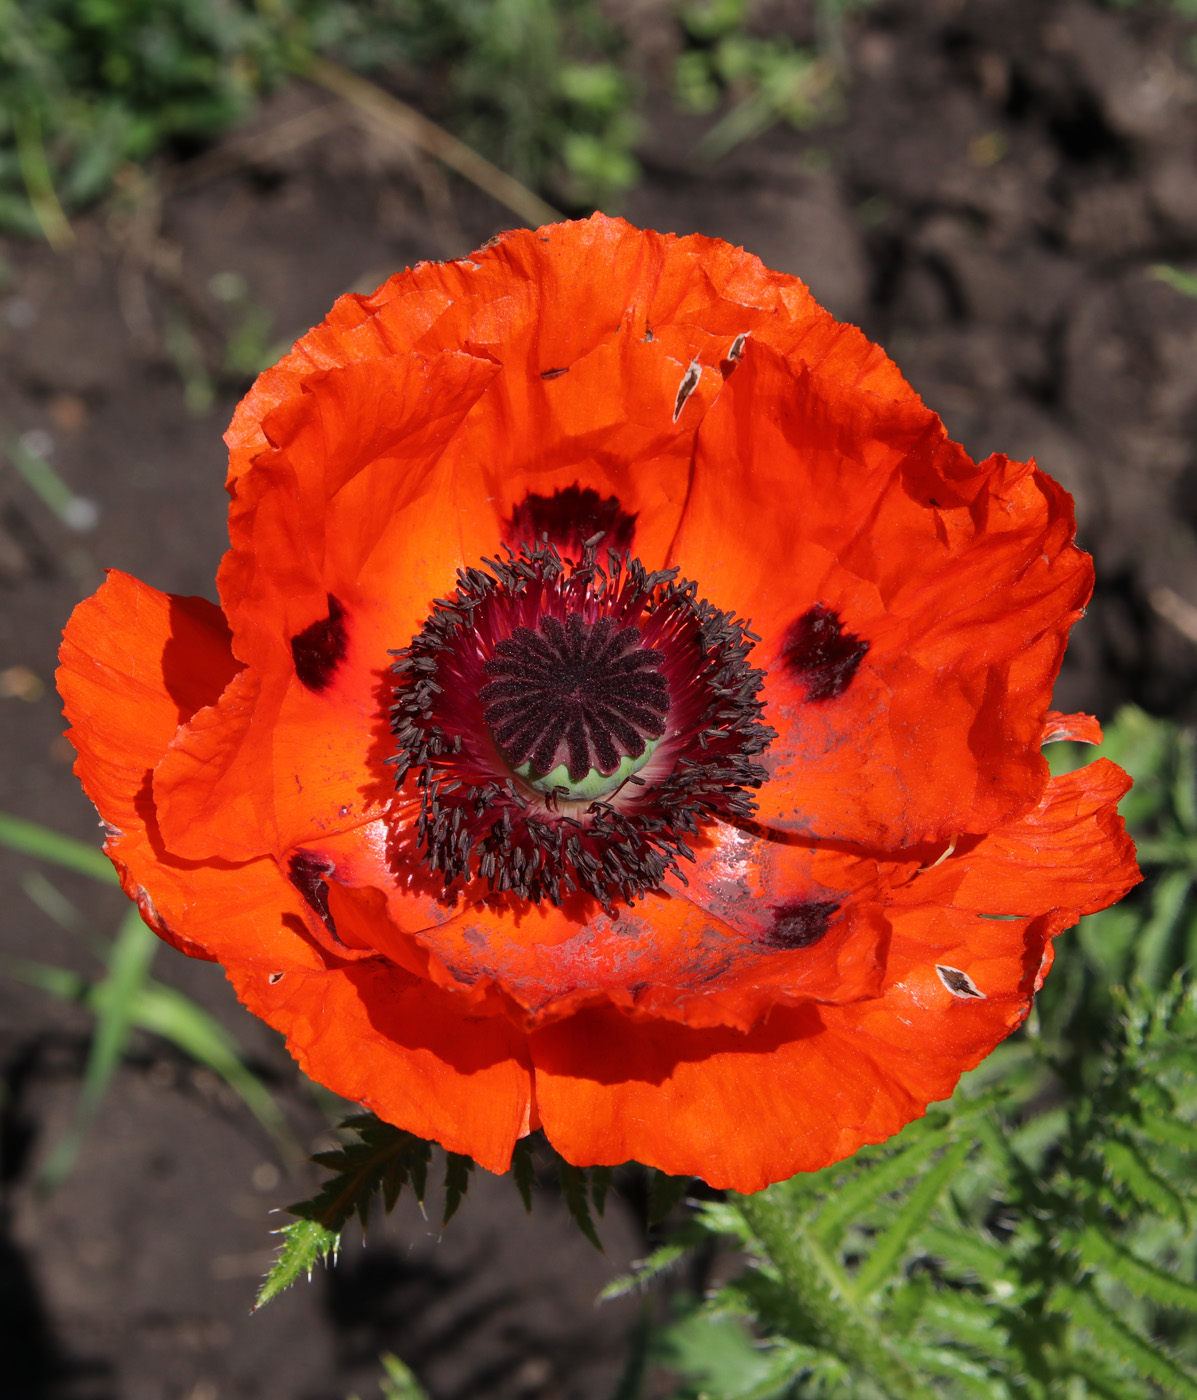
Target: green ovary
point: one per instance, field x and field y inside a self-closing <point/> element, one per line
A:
<point x="594" y="785"/>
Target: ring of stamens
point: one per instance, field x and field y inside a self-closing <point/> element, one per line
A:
<point x="567" y="727"/>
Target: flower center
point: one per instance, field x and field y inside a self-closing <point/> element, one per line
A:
<point x="576" y="707"/>
<point x="566" y="727"/>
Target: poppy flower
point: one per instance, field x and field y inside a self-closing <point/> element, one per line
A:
<point x="623" y="717"/>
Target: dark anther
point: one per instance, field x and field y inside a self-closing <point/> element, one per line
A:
<point x="317" y="650"/>
<point x="821" y="655"/>
<point x="553" y="373"/>
<point x="800" y="924"/>
<point x="573" y="664"/>
<point x="569" y="518"/>
<point x="575" y="692"/>
<point x="308" y="871"/>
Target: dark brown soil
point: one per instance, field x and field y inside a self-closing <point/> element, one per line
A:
<point x="1010" y="173"/>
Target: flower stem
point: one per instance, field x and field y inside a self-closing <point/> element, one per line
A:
<point x="824" y="1312"/>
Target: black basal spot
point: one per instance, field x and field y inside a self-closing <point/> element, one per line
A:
<point x="800" y="924"/>
<point x="307" y="872"/>
<point x="820" y="655"/>
<point x="569" y="518"/>
<point x="318" y="650"/>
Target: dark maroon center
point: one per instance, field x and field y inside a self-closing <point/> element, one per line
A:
<point x="586" y="694"/>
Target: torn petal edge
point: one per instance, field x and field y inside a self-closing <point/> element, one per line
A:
<point x="1080" y="728"/>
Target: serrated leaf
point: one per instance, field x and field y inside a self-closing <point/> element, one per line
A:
<point x="1176" y="1132"/>
<point x="574" y="1189"/>
<point x="644" y="1271"/>
<point x="856" y="1197"/>
<point x="891" y="1245"/>
<point x="600" y="1184"/>
<point x="971" y="1377"/>
<point x="1125" y="1166"/>
<point x="305" y="1244"/>
<point x="384" y="1159"/>
<point x="1143" y="1279"/>
<point x="969" y="1319"/>
<point x="964" y="1253"/>
<point x="457" y="1182"/>
<point x="664" y="1193"/>
<point x="523" y="1171"/>
<point x="1113" y="1337"/>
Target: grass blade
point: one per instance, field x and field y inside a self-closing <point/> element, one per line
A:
<point x="33" y="840"/>
<point x="176" y="1018"/>
<point x="114" y="1000"/>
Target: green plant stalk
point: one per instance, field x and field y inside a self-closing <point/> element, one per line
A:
<point x="822" y="1298"/>
<point x="39" y="185"/>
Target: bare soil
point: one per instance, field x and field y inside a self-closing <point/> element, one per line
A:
<point x="1009" y="174"/>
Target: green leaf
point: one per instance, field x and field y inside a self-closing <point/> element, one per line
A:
<point x="1126" y="1167"/>
<point x="385" y="1159"/>
<point x="664" y="1194"/>
<point x="644" y="1271"/>
<point x="1176" y="1132"/>
<point x="890" y="1247"/>
<point x="573" y="1188"/>
<point x="851" y="1201"/>
<point x="457" y="1182"/>
<point x="114" y="1000"/>
<point x="1183" y="282"/>
<point x="523" y="1171"/>
<point x="399" y="1382"/>
<point x="1113" y="1337"/>
<point x="55" y="981"/>
<point x="305" y="1244"/>
<point x="1152" y="961"/>
<point x="33" y="840"/>
<point x="966" y="1255"/>
<point x="1143" y="1279"/>
<point x="600" y="1185"/>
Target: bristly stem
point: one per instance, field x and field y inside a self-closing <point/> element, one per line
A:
<point x="824" y="1312"/>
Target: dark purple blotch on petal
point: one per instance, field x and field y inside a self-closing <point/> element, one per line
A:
<point x="799" y="924"/>
<point x="307" y="872"/>
<point x="820" y="655"/>
<point x="569" y="518"/>
<point x="318" y="650"/>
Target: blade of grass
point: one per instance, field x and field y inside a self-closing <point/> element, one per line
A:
<point x="175" y="1017"/>
<point x="58" y="982"/>
<point x="115" y="1000"/>
<point x="33" y="840"/>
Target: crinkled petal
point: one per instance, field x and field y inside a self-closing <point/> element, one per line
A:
<point x="382" y="1038"/>
<point x="950" y="588"/>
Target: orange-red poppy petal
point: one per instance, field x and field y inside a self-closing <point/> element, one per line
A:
<point x="380" y="1037"/>
<point x="805" y="1087"/>
<point x="944" y="588"/>
<point x="135" y="664"/>
<point x="1070" y="852"/>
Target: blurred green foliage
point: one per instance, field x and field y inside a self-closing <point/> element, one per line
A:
<point x="757" y="80"/>
<point x="88" y="87"/>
